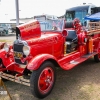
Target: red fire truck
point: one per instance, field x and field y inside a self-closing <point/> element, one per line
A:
<point x="41" y="46"/>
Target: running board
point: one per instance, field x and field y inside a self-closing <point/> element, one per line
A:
<point x="73" y="63"/>
<point x="16" y="79"/>
<point x="89" y="55"/>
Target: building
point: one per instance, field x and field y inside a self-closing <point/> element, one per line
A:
<point x="24" y="20"/>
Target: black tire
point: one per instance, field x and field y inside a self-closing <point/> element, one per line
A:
<point x="97" y="58"/>
<point x="46" y="74"/>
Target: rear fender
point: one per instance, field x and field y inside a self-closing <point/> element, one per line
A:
<point x="35" y="63"/>
<point x="97" y="46"/>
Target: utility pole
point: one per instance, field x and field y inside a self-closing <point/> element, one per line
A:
<point x="17" y="12"/>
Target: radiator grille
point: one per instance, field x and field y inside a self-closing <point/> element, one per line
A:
<point x="18" y="53"/>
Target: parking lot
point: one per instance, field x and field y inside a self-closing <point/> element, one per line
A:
<point x="9" y="38"/>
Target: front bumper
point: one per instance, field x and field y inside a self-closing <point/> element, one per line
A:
<point x="17" y="79"/>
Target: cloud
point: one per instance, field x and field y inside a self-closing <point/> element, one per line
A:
<point x="29" y="8"/>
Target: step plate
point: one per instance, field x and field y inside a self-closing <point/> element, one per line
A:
<point x="89" y="55"/>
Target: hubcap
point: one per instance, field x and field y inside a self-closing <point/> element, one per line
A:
<point x="46" y="80"/>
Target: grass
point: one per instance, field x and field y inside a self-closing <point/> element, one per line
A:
<point x="7" y="41"/>
<point x="3" y="40"/>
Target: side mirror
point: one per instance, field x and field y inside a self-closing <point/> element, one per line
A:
<point x="65" y="33"/>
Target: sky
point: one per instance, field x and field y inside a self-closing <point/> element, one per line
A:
<point x="30" y="8"/>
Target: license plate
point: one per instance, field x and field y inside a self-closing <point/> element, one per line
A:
<point x="18" y="55"/>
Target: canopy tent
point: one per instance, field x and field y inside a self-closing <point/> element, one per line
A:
<point x="95" y="17"/>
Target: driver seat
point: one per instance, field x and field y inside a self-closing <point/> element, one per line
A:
<point x="71" y="40"/>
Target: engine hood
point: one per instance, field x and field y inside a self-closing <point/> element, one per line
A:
<point x="28" y="30"/>
<point x="44" y="39"/>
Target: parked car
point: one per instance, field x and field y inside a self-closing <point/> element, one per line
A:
<point x="3" y="31"/>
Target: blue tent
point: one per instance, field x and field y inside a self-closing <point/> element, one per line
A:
<point x="95" y="17"/>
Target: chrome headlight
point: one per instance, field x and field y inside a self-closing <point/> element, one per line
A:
<point x="6" y="47"/>
<point x="26" y="50"/>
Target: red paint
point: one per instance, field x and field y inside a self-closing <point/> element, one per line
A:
<point x="30" y="30"/>
<point x="50" y="46"/>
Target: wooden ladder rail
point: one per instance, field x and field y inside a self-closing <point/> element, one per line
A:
<point x="94" y="28"/>
<point x="2" y="84"/>
<point x="94" y="25"/>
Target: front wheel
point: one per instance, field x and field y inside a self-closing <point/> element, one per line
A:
<point x="97" y="57"/>
<point x="43" y="80"/>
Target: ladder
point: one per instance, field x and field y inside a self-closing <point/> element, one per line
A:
<point x="93" y="28"/>
<point x="2" y="85"/>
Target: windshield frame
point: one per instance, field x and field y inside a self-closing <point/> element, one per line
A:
<point x="59" y="25"/>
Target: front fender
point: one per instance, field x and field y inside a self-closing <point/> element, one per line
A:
<point x="2" y="54"/>
<point x="6" y="60"/>
<point x="35" y="63"/>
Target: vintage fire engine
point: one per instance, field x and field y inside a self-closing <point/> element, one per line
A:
<point x="41" y="46"/>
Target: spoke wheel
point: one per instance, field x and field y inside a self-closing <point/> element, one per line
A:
<point x="42" y="80"/>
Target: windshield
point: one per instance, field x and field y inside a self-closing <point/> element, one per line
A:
<point x="51" y="25"/>
<point x="77" y="12"/>
<point x="70" y="15"/>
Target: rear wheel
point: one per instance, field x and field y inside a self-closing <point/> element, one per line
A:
<point x="97" y="57"/>
<point x="42" y="80"/>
